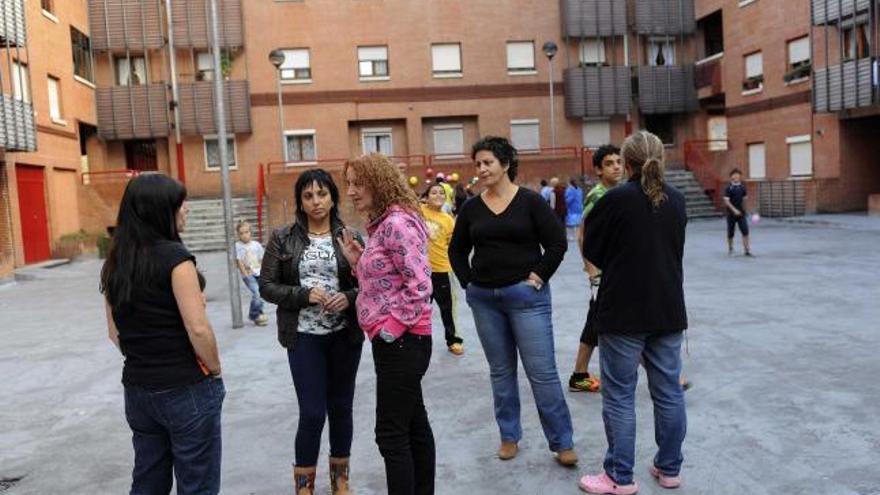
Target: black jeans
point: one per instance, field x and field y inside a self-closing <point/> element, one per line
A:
<point x="443" y="295"/>
<point x="403" y="432"/>
<point x="324" y="368"/>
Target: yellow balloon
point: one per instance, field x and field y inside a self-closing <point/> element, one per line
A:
<point x="413" y="181"/>
<point x="454" y="177"/>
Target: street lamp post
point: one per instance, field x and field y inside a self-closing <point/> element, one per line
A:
<point x="220" y="121"/>
<point x="550" y="50"/>
<point x="276" y="57"/>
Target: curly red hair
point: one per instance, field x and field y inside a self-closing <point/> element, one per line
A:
<point x="379" y="174"/>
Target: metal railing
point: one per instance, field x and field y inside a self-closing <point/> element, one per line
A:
<point x="700" y="158"/>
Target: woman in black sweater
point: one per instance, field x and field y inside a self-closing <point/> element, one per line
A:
<point x="507" y="227"/>
<point x="636" y="237"/>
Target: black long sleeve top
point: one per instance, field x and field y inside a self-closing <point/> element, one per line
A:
<point x="526" y="237"/>
<point x="639" y="250"/>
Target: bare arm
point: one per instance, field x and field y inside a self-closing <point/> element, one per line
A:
<point x="112" y="331"/>
<point x="185" y="285"/>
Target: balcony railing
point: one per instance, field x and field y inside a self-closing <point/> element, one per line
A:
<point x="667" y="89"/>
<point x="12" y="28"/>
<point x="191" y="19"/>
<point x="125" y="24"/>
<point x="593" y="18"/>
<point x="708" y="76"/>
<point x="597" y="91"/>
<point x="833" y="11"/>
<point x="846" y="86"/>
<point x="17" y="130"/>
<point x="132" y="112"/>
<point x="665" y="17"/>
<point x="197" y="108"/>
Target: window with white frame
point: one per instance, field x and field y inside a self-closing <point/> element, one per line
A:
<point x="520" y="57"/>
<point x="373" y="62"/>
<point x="757" y="160"/>
<point x="297" y="65"/>
<point x="798" y="59"/>
<point x="449" y="140"/>
<point x="55" y="99"/>
<point x="661" y="51"/>
<point x="204" y="66"/>
<point x="446" y="59"/>
<point x="525" y="135"/>
<point x="377" y="140"/>
<point x="596" y="133"/>
<point x="800" y="156"/>
<point x="592" y="52"/>
<point x="131" y="71"/>
<point x="754" y="72"/>
<point x="299" y="146"/>
<point x="212" y="153"/>
<point x="21" y="82"/>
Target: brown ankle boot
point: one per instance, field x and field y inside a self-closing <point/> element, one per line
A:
<point x="304" y="480"/>
<point x="339" y="476"/>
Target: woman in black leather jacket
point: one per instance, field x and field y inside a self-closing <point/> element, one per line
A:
<point x="305" y="274"/>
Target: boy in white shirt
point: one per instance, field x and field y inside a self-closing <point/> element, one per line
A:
<point x="249" y="254"/>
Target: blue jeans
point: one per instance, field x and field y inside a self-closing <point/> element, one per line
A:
<point x="324" y="368"/>
<point x="176" y="431"/>
<point x="253" y="286"/>
<point x="517" y="319"/>
<point x="619" y="359"/>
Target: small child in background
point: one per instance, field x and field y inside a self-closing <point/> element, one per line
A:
<point x="249" y="254"/>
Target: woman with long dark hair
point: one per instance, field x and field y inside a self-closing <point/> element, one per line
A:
<point x="156" y="317"/>
<point x="517" y="245"/>
<point x="304" y="273"/>
<point x="635" y="235"/>
<point x="394" y="309"/>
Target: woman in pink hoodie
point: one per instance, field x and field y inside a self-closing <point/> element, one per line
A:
<point x="394" y="309"/>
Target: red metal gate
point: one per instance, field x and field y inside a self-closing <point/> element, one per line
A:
<point x="32" y="208"/>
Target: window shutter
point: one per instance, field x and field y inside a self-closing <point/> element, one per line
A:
<point x="520" y="55"/>
<point x="373" y="53"/>
<point x="799" y="50"/>
<point x="448" y="140"/>
<point x="525" y="135"/>
<point x="757" y="163"/>
<point x="754" y="65"/>
<point x="447" y="57"/>
<point x="596" y="133"/>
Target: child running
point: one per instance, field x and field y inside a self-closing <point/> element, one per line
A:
<point x="249" y="254"/>
<point x="609" y="170"/>
<point x="440" y="225"/>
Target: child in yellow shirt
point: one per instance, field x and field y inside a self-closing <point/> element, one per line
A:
<point x="440" y="225"/>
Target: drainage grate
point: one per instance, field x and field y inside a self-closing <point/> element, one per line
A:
<point x="7" y="483"/>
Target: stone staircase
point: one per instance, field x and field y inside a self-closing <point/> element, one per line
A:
<point x="699" y="205"/>
<point x="204" y="226"/>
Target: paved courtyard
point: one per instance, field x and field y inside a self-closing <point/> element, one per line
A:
<point x="783" y="354"/>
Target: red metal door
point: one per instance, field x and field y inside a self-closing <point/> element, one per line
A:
<point x="32" y="207"/>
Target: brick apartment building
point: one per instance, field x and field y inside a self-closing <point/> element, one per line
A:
<point x="48" y="117"/>
<point x="424" y="78"/>
<point x="786" y="91"/>
<point x="790" y="90"/>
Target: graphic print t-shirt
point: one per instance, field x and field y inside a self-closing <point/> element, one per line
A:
<point x="440" y="226"/>
<point x="250" y="254"/>
<point x="317" y="268"/>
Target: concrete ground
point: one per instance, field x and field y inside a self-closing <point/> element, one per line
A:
<point x="783" y="355"/>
